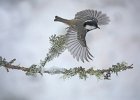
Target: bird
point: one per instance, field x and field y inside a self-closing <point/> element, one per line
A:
<point x="83" y="22"/>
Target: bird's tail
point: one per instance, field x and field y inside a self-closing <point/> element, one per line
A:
<point x="57" y="18"/>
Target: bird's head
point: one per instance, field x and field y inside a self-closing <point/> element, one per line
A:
<point x="90" y="25"/>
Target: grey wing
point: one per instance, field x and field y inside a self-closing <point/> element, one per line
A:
<point x="76" y="45"/>
<point x="102" y="19"/>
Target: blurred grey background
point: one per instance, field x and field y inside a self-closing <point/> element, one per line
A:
<point x="25" y="28"/>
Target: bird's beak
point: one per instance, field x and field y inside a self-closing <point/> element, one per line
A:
<point x="98" y="27"/>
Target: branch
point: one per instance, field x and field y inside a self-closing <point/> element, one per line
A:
<point x="57" y="47"/>
<point x="67" y="73"/>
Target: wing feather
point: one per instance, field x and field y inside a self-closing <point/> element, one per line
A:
<point x="100" y="17"/>
<point x="79" y="53"/>
<point x="77" y="46"/>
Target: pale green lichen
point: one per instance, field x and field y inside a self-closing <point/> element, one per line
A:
<point x="99" y="73"/>
<point x="57" y="47"/>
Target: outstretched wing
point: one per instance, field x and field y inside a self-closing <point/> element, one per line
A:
<point x="76" y="44"/>
<point x="98" y="16"/>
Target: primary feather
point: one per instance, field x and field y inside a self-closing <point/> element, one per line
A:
<point x="76" y="44"/>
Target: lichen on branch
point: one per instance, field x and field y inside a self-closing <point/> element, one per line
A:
<point x="83" y="73"/>
<point x="57" y="47"/>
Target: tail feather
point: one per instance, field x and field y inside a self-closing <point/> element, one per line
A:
<point x="57" y="18"/>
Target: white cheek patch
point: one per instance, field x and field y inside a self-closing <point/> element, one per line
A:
<point x="88" y="20"/>
<point x="88" y="27"/>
